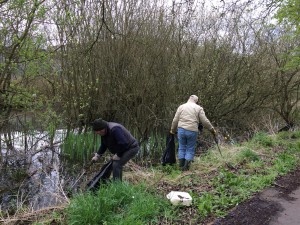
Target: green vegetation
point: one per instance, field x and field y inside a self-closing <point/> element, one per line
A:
<point x="216" y="183"/>
<point x="288" y="15"/>
<point x="263" y="139"/>
<point x="138" y="70"/>
<point x="118" y="203"/>
<point x="243" y="170"/>
<point x="80" y="147"/>
<point x="248" y="155"/>
<point x="255" y="172"/>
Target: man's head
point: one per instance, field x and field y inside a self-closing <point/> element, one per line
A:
<point x="194" y="98"/>
<point x="99" y="126"/>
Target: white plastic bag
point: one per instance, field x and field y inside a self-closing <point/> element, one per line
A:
<point x="180" y="198"/>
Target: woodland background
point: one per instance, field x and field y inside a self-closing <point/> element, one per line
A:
<point x="64" y="63"/>
<point x="67" y="62"/>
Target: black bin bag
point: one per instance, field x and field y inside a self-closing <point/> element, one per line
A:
<point x="102" y="177"/>
<point x="169" y="156"/>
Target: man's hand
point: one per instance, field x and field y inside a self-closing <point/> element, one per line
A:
<point x="96" y="157"/>
<point x="172" y="132"/>
<point x="116" y="157"/>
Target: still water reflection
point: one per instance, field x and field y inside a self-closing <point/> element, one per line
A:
<point x="36" y="157"/>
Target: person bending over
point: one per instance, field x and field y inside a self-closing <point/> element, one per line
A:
<point x="119" y="141"/>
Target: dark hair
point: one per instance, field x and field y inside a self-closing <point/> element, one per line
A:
<point x="99" y="124"/>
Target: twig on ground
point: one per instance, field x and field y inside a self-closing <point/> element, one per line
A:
<point x="29" y="217"/>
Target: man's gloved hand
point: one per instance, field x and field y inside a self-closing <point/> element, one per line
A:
<point x="116" y="157"/>
<point x="213" y="131"/>
<point x="96" y="157"/>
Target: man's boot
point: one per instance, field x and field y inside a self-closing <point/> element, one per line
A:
<point x="117" y="170"/>
<point x="186" y="165"/>
<point x="181" y="163"/>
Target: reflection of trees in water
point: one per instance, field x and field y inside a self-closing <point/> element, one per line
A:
<point x="31" y="170"/>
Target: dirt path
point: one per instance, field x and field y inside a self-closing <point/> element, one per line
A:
<point x="290" y="214"/>
<point x="278" y="205"/>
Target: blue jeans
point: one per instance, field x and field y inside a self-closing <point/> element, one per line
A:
<point x="187" y="141"/>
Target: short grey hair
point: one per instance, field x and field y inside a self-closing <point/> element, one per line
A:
<point x="194" y="98"/>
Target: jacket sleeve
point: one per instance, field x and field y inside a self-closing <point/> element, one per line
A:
<point x="122" y="142"/>
<point x="102" y="148"/>
<point x="176" y="120"/>
<point x="203" y="119"/>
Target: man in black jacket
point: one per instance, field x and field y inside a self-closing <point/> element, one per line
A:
<point x="119" y="141"/>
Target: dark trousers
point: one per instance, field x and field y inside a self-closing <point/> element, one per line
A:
<point x="118" y="164"/>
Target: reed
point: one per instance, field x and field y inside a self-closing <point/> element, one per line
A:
<point x="79" y="147"/>
<point x="151" y="149"/>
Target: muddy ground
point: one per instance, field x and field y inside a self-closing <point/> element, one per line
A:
<point x="270" y="206"/>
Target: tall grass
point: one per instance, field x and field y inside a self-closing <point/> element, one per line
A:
<point x="248" y="155"/>
<point x="80" y="147"/>
<point x="151" y="149"/>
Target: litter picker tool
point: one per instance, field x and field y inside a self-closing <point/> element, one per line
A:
<point x="216" y="140"/>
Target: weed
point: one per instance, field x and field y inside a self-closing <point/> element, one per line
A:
<point x="293" y="147"/>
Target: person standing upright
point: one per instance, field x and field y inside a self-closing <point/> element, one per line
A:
<point x="186" y="122"/>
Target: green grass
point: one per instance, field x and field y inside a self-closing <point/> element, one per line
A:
<point x="254" y="173"/>
<point x="256" y="166"/>
<point x="216" y="183"/>
<point x="118" y="203"/>
<point x="247" y="155"/>
<point x="263" y="139"/>
<point x="229" y="189"/>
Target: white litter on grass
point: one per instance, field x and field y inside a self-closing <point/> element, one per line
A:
<point x="180" y="198"/>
